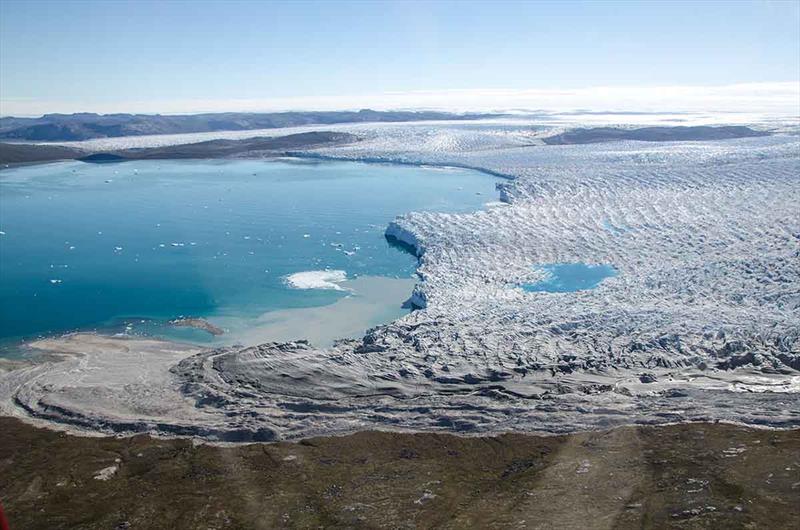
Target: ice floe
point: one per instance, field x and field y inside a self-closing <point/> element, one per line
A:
<point x="326" y="279"/>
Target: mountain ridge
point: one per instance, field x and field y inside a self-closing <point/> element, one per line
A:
<point x="86" y="126"/>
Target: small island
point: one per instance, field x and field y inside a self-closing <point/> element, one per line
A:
<point x="197" y="323"/>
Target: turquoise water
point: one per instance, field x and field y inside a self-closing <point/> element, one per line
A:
<point x="96" y="246"/>
<point x="568" y="277"/>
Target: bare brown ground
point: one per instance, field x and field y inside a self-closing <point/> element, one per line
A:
<point x="680" y="476"/>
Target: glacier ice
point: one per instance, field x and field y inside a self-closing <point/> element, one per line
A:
<point x="702" y="321"/>
<point x="326" y="279"/>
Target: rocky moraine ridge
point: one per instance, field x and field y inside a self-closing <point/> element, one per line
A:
<point x="701" y="321"/>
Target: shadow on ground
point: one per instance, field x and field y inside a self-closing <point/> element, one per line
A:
<point x="679" y="476"/>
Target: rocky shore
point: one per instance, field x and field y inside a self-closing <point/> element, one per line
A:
<point x="197" y="323"/>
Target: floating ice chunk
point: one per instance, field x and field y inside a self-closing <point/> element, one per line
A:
<point x="55" y="281"/>
<point x="306" y="236"/>
<point x="317" y="279"/>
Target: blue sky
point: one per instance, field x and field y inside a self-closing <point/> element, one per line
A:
<point x="161" y="56"/>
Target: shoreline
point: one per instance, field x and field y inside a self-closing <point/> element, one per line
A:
<point x="363" y="294"/>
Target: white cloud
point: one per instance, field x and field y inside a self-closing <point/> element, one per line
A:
<point x="779" y="98"/>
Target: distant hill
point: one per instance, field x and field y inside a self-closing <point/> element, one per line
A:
<point x="26" y="153"/>
<point x="254" y="147"/>
<point x="85" y="126"/>
<point x="226" y="148"/>
<point x="651" y="134"/>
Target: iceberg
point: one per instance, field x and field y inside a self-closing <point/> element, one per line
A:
<point x="326" y="279"/>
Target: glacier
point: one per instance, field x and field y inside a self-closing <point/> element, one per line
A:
<point x="700" y="323"/>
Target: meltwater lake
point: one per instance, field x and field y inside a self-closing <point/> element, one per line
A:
<point x="266" y="250"/>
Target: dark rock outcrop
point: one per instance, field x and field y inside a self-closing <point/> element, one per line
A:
<point x="652" y="134"/>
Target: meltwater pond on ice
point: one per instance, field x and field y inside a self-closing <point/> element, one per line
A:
<point x="567" y="277"/>
<point x="127" y="247"/>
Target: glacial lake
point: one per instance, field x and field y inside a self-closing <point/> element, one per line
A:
<point x="267" y="250"/>
<point x="569" y="277"/>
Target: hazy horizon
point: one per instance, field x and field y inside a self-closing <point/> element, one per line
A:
<point x="185" y="58"/>
<point x="773" y="99"/>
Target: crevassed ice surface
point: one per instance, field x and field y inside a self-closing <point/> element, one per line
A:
<point x="701" y="322"/>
